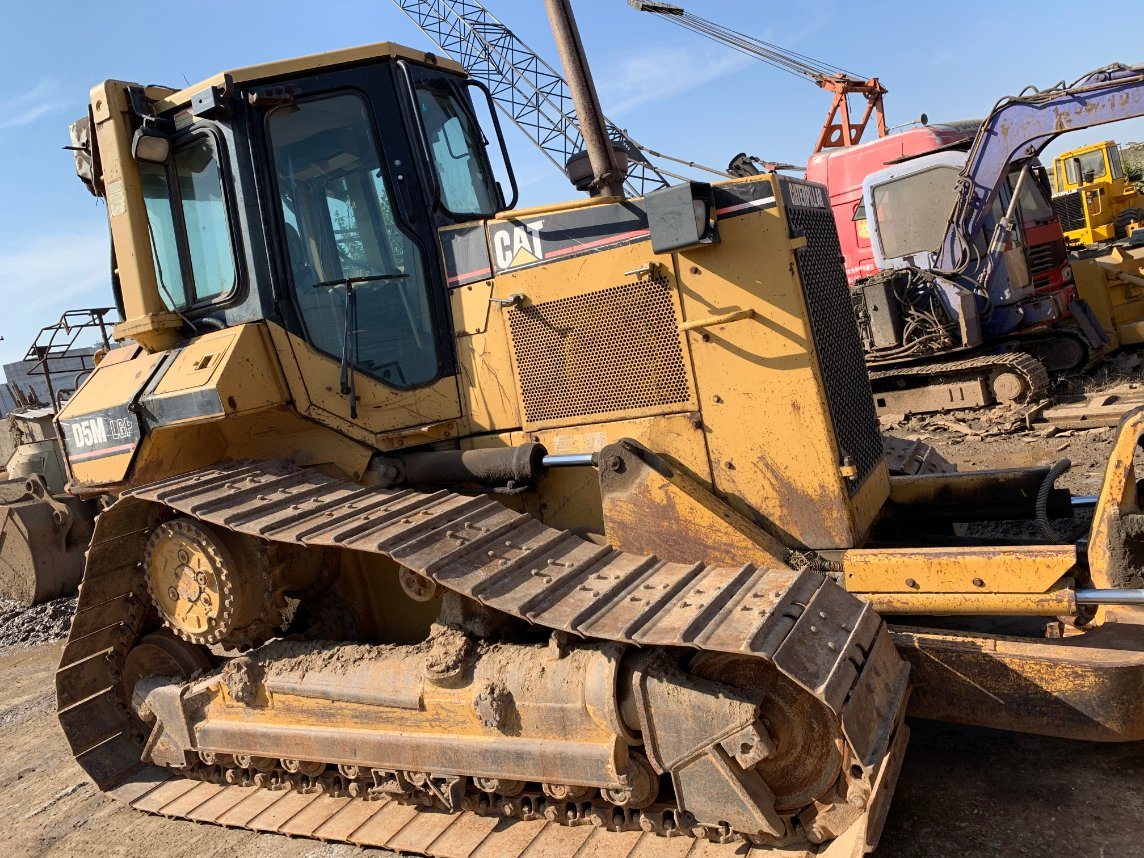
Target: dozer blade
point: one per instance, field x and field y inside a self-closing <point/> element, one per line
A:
<point x="38" y="559"/>
<point x="668" y="717"/>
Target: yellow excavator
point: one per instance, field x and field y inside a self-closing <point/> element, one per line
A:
<point x="467" y="530"/>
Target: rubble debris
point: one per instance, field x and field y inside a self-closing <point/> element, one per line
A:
<point x="43" y="623"/>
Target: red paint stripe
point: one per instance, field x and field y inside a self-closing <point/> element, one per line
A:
<point x="484" y="272"/>
<point x="600" y="242"/>
<point x="109" y="451"/>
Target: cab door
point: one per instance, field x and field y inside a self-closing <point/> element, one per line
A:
<point x="368" y="347"/>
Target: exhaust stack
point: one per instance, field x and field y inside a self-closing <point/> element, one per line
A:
<point x="607" y="174"/>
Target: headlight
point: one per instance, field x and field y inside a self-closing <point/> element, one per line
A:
<point x="150" y="147"/>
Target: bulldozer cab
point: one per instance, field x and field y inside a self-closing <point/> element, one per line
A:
<point x="1087" y="164"/>
<point x="307" y="193"/>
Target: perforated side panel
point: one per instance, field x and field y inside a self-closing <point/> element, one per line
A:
<point x="615" y="350"/>
<point x="835" y="334"/>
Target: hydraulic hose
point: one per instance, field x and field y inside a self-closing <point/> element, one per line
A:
<point x="1043" y="500"/>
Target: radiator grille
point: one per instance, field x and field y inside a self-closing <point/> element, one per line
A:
<point x="1044" y="258"/>
<point x="615" y="350"/>
<point x="835" y="335"/>
<point x="1070" y="209"/>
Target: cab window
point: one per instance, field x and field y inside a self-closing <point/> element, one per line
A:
<point x="911" y="212"/>
<point x="457" y="150"/>
<point x="1033" y="205"/>
<point x="1114" y="159"/>
<point x="1090" y="162"/>
<point x="343" y="235"/>
<point x="190" y="230"/>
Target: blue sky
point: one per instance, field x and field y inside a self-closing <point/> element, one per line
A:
<point x="673" y="90"/>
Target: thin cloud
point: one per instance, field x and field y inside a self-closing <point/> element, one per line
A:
<point x="672" y="68"/>
<point x="41" y="100"/>
<point x="50" y="274"/>
<point x="639" y="79"/>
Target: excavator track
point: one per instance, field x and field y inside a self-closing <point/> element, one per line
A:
<point x="940" y="386"/>
<point x="832" y="645"/>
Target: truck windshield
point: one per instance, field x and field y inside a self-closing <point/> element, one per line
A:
<point x="339" y="218"/>
<point x="911" y="212"/>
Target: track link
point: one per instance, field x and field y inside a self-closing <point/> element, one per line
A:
<point x="831" y="644"/>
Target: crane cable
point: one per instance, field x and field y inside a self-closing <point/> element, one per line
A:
<point x="783" y="59"/>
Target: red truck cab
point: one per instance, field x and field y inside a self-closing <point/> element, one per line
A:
<point x="842" y="171"/>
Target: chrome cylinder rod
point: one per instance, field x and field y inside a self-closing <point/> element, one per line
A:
<point x="1110" y="597"/>
<point x="569" y="460"/>
<point x="1084" y="501"/>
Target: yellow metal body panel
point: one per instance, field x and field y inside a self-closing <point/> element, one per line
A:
<point x="486" y="375"/>
<point x="1113" y="286"/>
<point x="972" y="571"/>
<point x="767" y="432"/>
<point x="238" y="362"/>
<point x="221" y="396"/>
<point x="112" y="383"/>
<point x="384" y="415"/>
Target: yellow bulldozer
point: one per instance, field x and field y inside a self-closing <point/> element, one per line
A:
<point x="467" y="530"/>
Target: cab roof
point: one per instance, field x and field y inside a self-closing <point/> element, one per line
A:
<point x="168" y="98"/>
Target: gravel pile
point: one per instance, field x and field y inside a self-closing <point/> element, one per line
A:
<point x="21" y="626"/>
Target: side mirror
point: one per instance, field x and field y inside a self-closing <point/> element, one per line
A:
<point x="150" y="147"/>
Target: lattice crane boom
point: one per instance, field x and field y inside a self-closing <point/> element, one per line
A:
<point x="524" y="87"/>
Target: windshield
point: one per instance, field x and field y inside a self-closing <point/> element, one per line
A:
<point x="1034" y="206"/>
<point x="189" y="229"/>
<point x="912" y="212"/>
<point x="1090" y="162"/>
<point x="1114" y="158"/>
<point x="339" y="221"/>
<point x="457" y="150"/>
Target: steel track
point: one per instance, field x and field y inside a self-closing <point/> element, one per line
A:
<point x="830" y="643"/>
<point x="1031" y="371"/>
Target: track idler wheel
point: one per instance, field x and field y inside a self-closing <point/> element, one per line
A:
<point x="210" y="588"/>
<point x="1008" y="386"/>
<point x="162" y="654"/>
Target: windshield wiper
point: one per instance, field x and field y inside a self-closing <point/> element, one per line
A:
<point x="349" y="339"/>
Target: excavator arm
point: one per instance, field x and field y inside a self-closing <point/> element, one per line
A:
<point x="1020" y="128"/>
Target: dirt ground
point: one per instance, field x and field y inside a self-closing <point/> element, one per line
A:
<point x="963" y="791"/>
